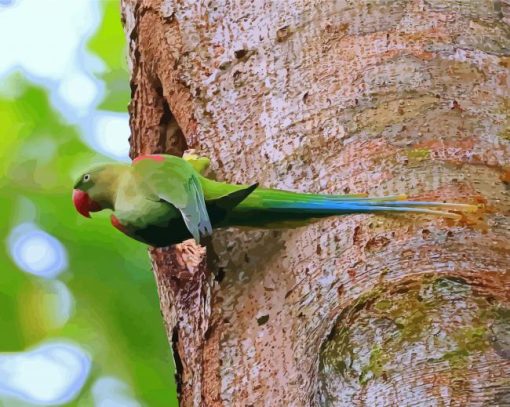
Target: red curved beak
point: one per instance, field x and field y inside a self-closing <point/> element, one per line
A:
<point x="83" y="204"/>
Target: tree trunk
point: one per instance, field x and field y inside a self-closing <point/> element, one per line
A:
<point x="376" y="96"/>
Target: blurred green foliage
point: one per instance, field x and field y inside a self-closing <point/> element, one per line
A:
<point x="109" y="43"/>
<point x="116" y="314"/>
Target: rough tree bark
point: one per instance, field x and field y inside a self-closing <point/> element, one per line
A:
<point x="377" y="96"/>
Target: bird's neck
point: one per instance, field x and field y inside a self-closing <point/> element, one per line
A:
<point x="111" y="180"/>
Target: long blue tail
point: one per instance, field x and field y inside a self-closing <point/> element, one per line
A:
<point x="277" y="201"/>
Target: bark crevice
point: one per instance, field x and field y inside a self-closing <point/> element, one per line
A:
<point x="179" y="368"/>
<point x="171" y="138"/>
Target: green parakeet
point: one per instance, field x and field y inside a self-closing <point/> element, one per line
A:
<point x="162" y="200"/>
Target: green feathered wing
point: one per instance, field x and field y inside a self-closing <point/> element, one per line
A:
<point x="174" y="180"/>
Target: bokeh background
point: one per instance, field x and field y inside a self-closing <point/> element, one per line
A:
<point x="79" y="315"/>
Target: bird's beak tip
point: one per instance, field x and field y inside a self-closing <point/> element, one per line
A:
<point x="81" y="202"/>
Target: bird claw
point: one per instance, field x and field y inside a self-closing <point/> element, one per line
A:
<point x="205" y="230"/>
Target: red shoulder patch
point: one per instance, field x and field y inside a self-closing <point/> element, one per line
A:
<point x="117" y="225"/>
<point x="154" y="157"/>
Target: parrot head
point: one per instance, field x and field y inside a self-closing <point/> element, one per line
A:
<point x="93" y="191"/>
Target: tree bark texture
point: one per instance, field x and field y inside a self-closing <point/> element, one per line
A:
<point x="375" y="96"/>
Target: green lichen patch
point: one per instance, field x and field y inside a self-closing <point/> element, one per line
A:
<point x="499" y="335"/>
<point x="418" y="154"/>
<point x="337" y="352"/>
<point x="505" y="133"/>
<point x="472" y="339"/>
<point x="382" y="305"/>
<point x="376" y="365"/>
<point x="468" y="340"/>
<point x="431" y="320"/>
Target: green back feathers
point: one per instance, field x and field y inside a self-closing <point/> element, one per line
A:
<point x="174" y="180"/>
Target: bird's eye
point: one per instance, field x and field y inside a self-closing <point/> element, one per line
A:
<point x="86" y="177"/>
